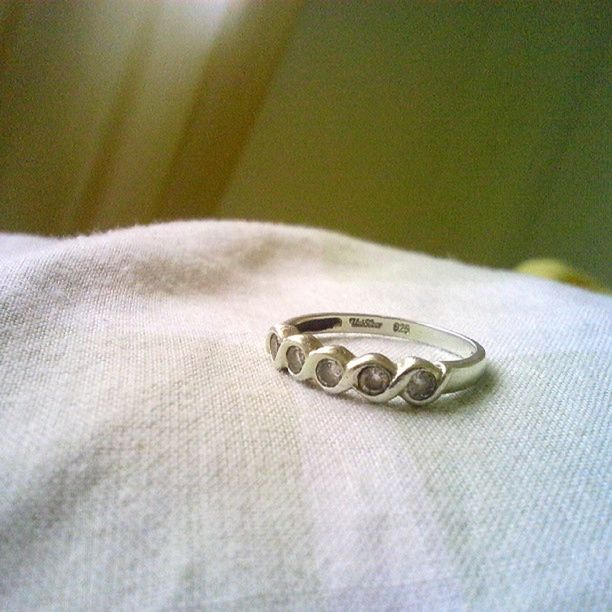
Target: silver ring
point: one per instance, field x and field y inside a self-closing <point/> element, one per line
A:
<point x="294" y="346"/>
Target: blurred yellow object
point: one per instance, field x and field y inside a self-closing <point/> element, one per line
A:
<point x="558" y="270"/>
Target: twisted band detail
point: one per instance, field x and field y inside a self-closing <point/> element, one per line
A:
<point x="293" y="346"/>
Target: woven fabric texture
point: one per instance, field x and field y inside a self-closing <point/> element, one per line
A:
<point x="153" y="459"/>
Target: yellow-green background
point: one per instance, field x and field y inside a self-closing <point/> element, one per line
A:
<point x="475" y="130"/>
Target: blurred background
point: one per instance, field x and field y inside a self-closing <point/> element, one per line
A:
<point x="473" y="130"/>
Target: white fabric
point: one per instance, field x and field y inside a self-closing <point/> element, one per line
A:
<point x="152" y="458"/>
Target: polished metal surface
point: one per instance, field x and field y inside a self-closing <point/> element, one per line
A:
<point x="410" y="377"/>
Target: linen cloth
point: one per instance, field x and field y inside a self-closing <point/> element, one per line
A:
<point x="153" y="459"/>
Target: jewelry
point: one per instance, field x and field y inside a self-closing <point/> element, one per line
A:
<point x="293" y="346"/>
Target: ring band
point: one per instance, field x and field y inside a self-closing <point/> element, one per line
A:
<point x="294" y="346"/>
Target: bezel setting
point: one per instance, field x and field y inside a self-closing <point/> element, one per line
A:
<point x="353" y="368"/>
<point x="340" y="355"/>
<point x="410" y="366"/>
<point x="374" y="361"/>
<point x="329" y="372"/>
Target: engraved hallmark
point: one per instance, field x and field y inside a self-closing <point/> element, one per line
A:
<point x="402" y="328"/>
<point x="363" y="322"/>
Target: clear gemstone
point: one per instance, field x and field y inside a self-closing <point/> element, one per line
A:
<point x="329" y="372"/>
<point x="373" y="380"/>
<point x="295" y="359"/>
<point x="421" y="385"/>
<point x="274" y="345"/>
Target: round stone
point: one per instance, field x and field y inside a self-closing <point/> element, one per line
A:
<point x="373" y="380"/>
<point x="329" y="372"/>
<point x="274" y="345"/>
<point x="295" y="359"/>
<point x="421" y="385"/>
